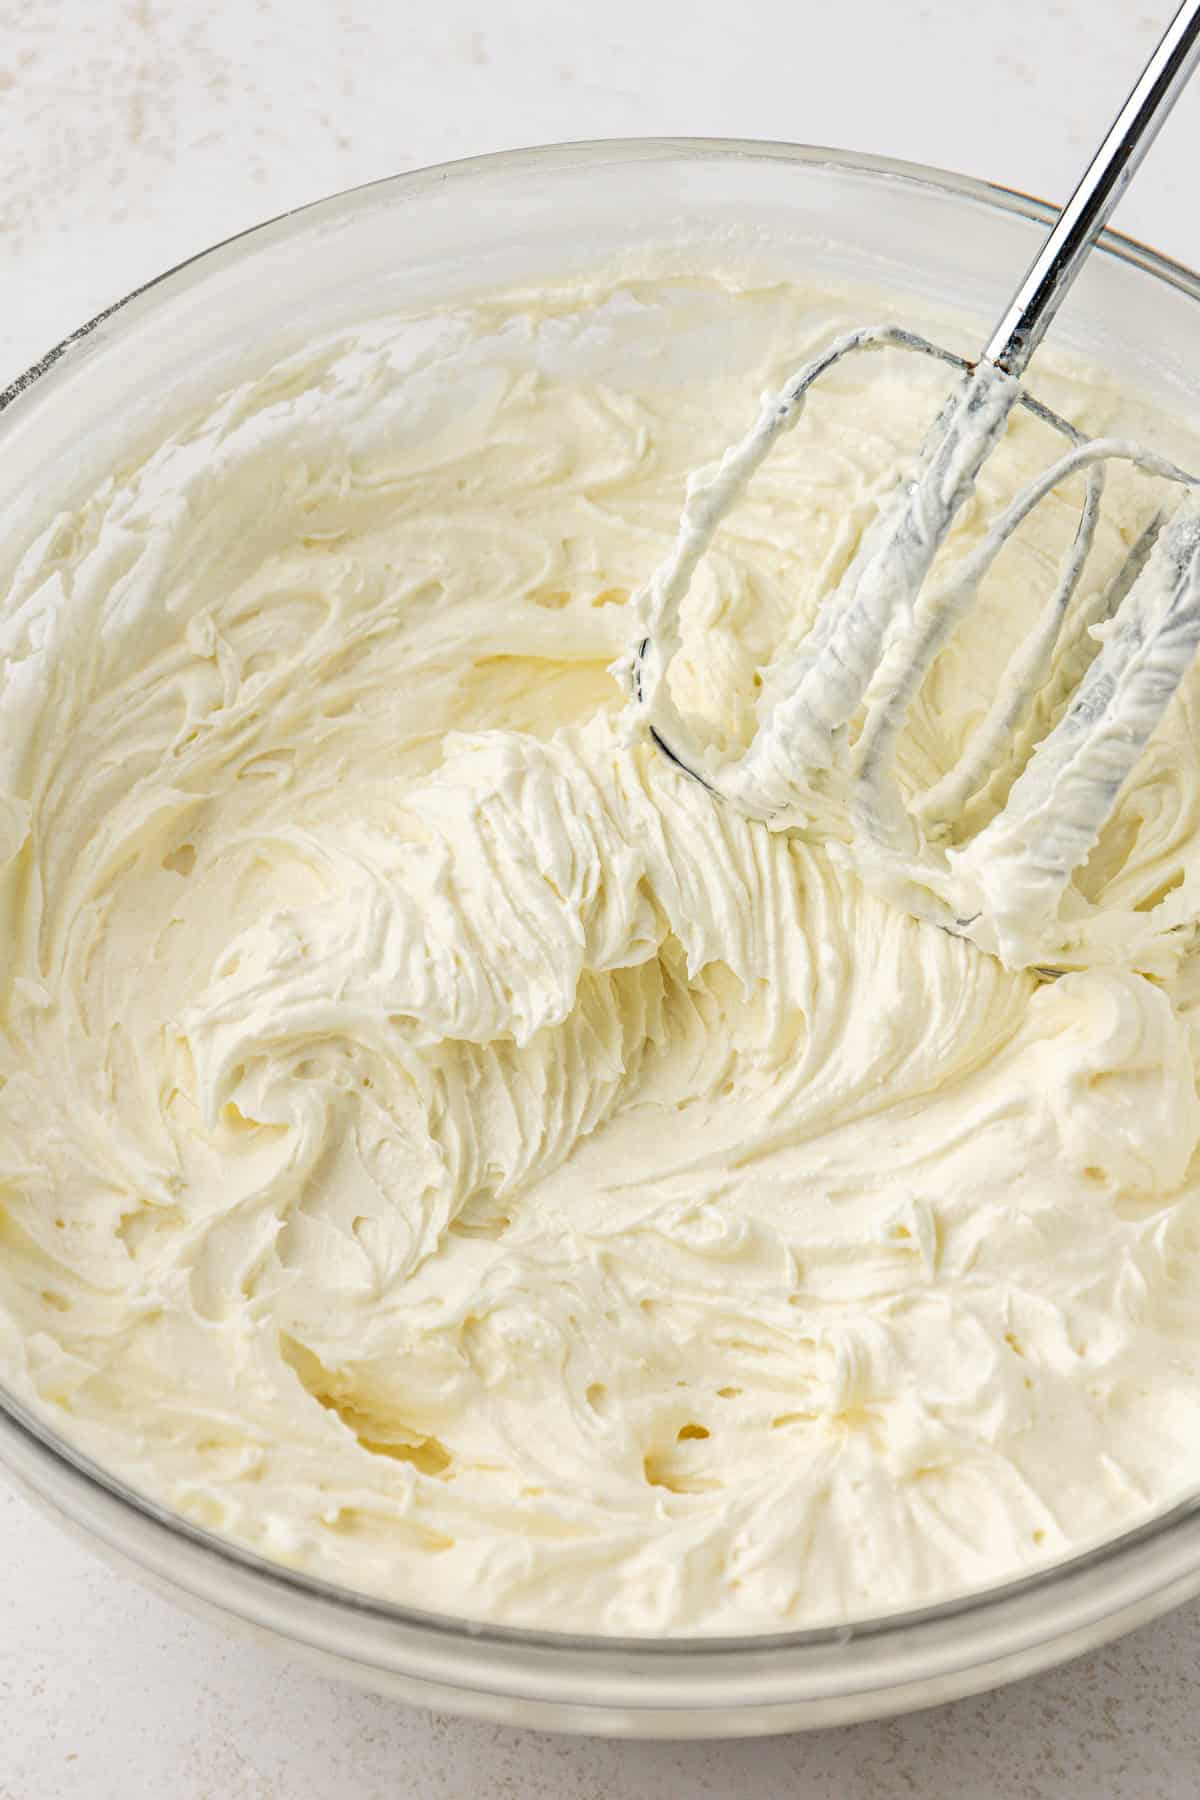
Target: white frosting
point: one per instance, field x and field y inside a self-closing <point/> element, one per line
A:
<point x="442" y="1146"/>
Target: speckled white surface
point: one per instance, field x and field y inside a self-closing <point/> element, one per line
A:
<point x="133" y="132"/>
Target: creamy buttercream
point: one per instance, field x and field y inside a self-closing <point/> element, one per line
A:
<point x="445" y="1149"/>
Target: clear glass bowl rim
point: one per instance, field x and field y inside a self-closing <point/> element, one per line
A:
<point x="31" y="1449"/>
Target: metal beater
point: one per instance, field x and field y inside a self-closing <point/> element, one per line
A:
<point x="833" y="706"/>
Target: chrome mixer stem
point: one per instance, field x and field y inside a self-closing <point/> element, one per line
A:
<point x="1086" y="213"/>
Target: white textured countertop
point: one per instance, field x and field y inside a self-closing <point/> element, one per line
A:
<point x="134" y="132"/>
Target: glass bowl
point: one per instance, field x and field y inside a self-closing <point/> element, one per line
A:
<point x="942" y="241"/>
